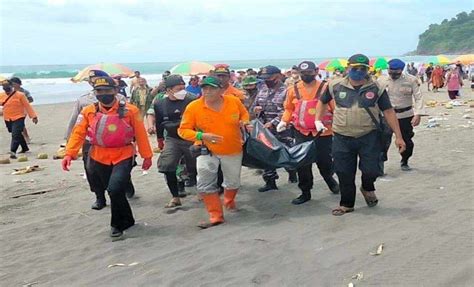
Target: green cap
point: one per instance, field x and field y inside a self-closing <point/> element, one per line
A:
<point x="211" y="81"/>
<point x="249" y="80"/>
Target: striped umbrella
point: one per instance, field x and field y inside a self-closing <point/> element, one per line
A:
<point x="439" y="60"/>
<point x="109" y="68"/>
<point x="192" y="68"/>
<point x="465" y="59"/>
<point x="332" y="65"/>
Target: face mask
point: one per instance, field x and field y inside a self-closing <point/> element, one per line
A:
<point x="357" y="75"/>
<point x="7" y="89"/>
<point x="271" y="83"/>
<point x="106" y="99"/>
<point x="180" y="95"/>
<point x="251" y="91"/>
<point x="308" y="78"/>
<point x="395" y="76"/>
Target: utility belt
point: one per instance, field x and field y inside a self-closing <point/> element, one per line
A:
<point x="398" y="111"/>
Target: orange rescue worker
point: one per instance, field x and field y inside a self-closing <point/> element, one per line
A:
<point x="214" y="121"/>
<point x="300" y="108"/>
<point x="14" y="105"/>
<point x="111" y="126"/>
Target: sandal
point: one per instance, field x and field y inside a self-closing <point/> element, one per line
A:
<point x="173" y="204"/>
<point x="341" y="210"/>
<point x="370" y="197"/>
<point x="206" y="225"/>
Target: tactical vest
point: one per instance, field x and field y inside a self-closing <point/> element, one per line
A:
<point x="350" y="117"/>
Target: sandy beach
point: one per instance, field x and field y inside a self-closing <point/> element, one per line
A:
<point x="424" y="219"/>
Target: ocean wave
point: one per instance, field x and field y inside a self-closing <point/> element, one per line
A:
<point x="45" y="74"/>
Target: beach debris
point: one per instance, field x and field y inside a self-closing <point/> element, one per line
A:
<point x="441" y="187"/>
<point x="30" y="284"/>
<point x="350" y="284"/>
<point x="432" y="123"/>
<point x="4" y="161"/>
<point x="467" y="111"/>
<point x="359" y="276"/>
<point x="123" y="265"/>
<point x="117" y="265"/>
<point x="466" y="116"/>
<point x="431" y="103"/>
<point x="456" y="103"/>
<point x="35" y="192"/>
<point x="262" y="240"/>
<point x="28" y="169"/>
<point x="378" y="251"/>
<point x="42" y="156"/>
<point x="448" y="105"/>
<point x="25" y="180"/>
<point x="22" y="158"/>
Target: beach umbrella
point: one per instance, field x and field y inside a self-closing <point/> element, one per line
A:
<point x="439" y="60"/>
<point x="192" y="68"/>
<point x="381" y="64"/>
<point x="109" y="68"/>
<point x="465" y="59"/>
<point x="2" y="79"/>
<point x="334" y="64"/>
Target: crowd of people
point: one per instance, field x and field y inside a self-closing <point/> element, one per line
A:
<point x="350" y="116"/>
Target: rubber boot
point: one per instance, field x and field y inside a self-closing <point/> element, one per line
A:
<point x="229" y="199"/>
<point x="213" y="204"/>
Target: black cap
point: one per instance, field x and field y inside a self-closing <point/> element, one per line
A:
<point x="173" y="80"/>
<point x="307" y="66"/>
<point x="268" y="71"/>
<point x="103" y="83"/>
<point x="15" y="80"/>
<point x="359" y="60"/>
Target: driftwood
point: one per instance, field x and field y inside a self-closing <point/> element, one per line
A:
<point x="35" y="192"/>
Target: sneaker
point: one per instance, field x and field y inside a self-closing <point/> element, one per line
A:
<point x="12" y="155"/>
<point x="115" y="232"/>
<point x="404" y="166"/>
<point x="98" y="204"/>
<point x="25" y="151"/>
<point x="269" y="185"/>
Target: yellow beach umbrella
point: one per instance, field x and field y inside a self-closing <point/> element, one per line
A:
<point x="465" y="59"/>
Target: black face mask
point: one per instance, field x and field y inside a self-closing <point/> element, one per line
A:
<point x="251" y="91"/>
<point x="271" y="83"/>
<point x="106" y="99"/>
<point x="308" y="78"/>
<point x="395" y="76"/>
<point x="7" y="89"/>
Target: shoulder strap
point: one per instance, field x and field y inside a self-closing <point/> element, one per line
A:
<point x="5" y="102"/>
<point x="321" y="88"/>
<point x="297" y="92"/>
<point x="374" y="120"/>
<point x="121" y="109"/>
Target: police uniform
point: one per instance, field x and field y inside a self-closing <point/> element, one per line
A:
<point x="407" y="100"/>
<point x="355" y="134"/>
<point x="271" y="100"/>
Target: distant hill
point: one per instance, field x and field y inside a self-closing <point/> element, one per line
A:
<point x="455" y="36"/>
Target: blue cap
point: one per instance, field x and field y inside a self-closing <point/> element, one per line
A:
<point x="268" y="71"/>
<point x="396" y="64"/>
<point x="97" y="73"/>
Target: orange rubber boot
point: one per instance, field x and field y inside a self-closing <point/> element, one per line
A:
<point x="214" y="208"/>
<point x="229" y="199"/>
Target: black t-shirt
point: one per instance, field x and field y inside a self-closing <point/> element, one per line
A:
<point x="383" y="101"/>
<point x="168" y="115"/>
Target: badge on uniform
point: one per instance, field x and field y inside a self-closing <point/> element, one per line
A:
<point x="370" y="95"/>
<point x="342" y="95"/>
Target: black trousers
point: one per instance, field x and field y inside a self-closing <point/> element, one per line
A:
<point x="407" y="134"/>
<point x="16" y="129"/>
<point x="346" y="151"/>
<point x="115" y="179"/>
<point x="100" y="194"/>
<point x="324" y="162"/>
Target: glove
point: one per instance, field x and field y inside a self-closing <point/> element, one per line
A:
<point x="161" y="144"/>
<point x="146" y="163"/>
<point x="320" y="126"/>
<point x="281" y="126"/>
<point x="66" y="163"/>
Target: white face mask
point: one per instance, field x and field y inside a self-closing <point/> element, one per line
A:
<point x="180" y="95"/>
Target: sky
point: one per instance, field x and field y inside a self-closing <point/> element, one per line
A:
<point x="134" y="31"/>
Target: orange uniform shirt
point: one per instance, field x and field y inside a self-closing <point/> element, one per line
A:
<point x="226" y="123"/>
<point x="305" y="94"/>
<point x="107" y="155"/>
<point x="17" y="107"/>
<point x="233" y="91"/>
